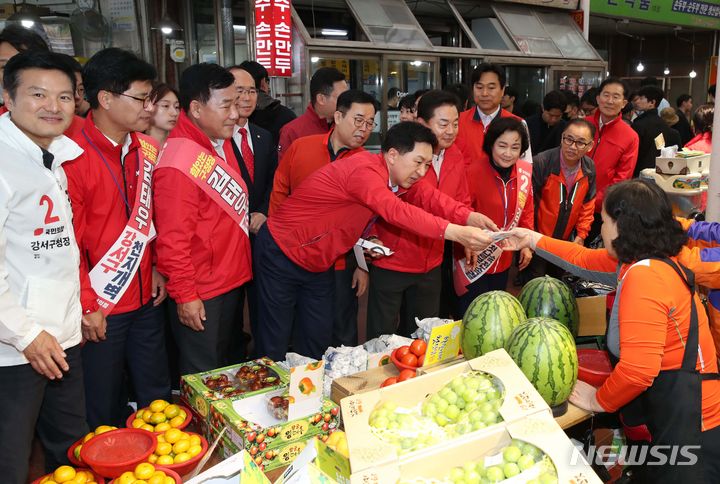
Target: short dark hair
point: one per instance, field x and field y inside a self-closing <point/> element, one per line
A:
<point x="72" y="63"/>
<point x="420" y="93"/>
<point x="645" y="223"/>
<point x="529" y="108"/>
<point x="614" y="80"/>
<point x="353" y="96"/>
<point x="571" y="98"/>
<point x="161" y="90"/>
<point x="682" y="98"/>
<point x="323" y="80"/>
<point x="432" y="100"/>
<point x="404" y="135"/>
<point x="590" y="96"/>
<point x="393" y="92"/>
<point x="703" y="118"/>
<point x="34" y="59"/>
<point x="511" y="92"/>
<point x="554" y="100"/>
<point x="113" y="70"/>
<point x="255" y="69"/>
<point x="407" y="102"/>
<point x="487" y="67"/>
<point x="649" y="81"/>
<point x="501" y="125"/>
<point x="651" y="93"/>
<point x="199" y="80"/>
<point x="463" y="95"/>
<point x="22" y="39"/>
<point x="583" y="123"/>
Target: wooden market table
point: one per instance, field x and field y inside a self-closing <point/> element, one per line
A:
<point x="573" y="416"/>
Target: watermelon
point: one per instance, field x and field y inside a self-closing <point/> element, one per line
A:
<point x="545" y="351"/>
<point x="489" y="321"/>
<point x="547" y="297"/>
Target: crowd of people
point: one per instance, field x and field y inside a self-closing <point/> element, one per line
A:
<point x="138" y="222"/>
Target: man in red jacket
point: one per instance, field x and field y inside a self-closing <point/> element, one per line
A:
<point x="410" y="279"/>
<point x="323" y="219"/>
<point x="325" y="86"/>
<point x="615" y="151"/>
<point x="202" y="248"/>
<point x="106" y="190"/>
<point x="354" y="122"/>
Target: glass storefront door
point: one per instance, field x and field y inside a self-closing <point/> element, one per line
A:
<point x="408" y="76"/>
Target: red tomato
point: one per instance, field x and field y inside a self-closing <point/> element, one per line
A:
<point x="406" y="375"/>
<point x="390" y="381"/>
<point x="421" y="360"/>
<point x="409" y="360"/>
<point x="418" y="348"/>
<point x="402" y="351"/>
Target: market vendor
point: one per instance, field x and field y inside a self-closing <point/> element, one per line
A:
<point x="665" y="389"/>
<point x="323" y="219"/>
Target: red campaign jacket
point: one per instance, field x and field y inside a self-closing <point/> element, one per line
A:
<point x="324" y="217"/>
<point x="701" y="142"/>
<point x="305" y="125"/>
<point x="615" y="154"/>
<point x="497" y="199"/>
<point x="98" y="185"/>
<point x="200" y="249"/>
<point x="413" y="253"/>
<point x="471" y="133"/>
<point x="559" y="211"/>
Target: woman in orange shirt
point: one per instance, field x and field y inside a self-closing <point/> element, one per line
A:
<point x="666" y="376"/>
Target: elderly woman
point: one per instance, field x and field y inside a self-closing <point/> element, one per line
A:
<point x="665" y="382"/>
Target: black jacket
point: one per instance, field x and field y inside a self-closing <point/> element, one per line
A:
<point x="683" y="127"/>
<point x="271" y="115"/>
<point x="542" y="136"/>
<point x="265" y="156"/>
<point x="648" y="126"/>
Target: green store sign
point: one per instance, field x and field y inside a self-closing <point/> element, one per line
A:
<point x="690" y="13"/>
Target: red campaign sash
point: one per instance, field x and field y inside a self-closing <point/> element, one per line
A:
<point x="115" y="271"/>
<point x="464" y="276"/>
<point x="211" y="174"/>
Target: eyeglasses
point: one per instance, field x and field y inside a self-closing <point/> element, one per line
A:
<point x="579" y="144"/>
<point x="359" y="122"/>
<point x="146" y="101"/>
<point x="250" y="91"/>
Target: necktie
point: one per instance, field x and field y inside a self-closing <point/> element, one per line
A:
<point x="247" y="154"/>
<point x="47" y="159"/>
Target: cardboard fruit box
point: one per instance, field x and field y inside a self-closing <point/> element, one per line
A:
<point x="504" y="396"/>
<point x="199" y="390"/>
<point x="267" y="459"/>
<point x="361" y="382"/>
<point x="539" y="430"/>
<point x="251" y="426"/>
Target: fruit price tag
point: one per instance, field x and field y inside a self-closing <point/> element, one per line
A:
<point x="306" y="388"/>
<point x="443" y="344"/>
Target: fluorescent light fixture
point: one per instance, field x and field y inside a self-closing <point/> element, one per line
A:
<point x="693" y="74"/>
<point x="334" y="32"/>
<point x="241" y="28"/>
<point x="640" y="67"/>
<point x="416" y="63"/>
<point x="314" y="59"/>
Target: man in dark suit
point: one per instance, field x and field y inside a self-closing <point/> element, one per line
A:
<point x="257" y="159"/>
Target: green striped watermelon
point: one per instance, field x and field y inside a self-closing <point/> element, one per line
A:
<point x="547" y="297"/>
<point x="545" y="351"/>
<point x="489" y="321"/>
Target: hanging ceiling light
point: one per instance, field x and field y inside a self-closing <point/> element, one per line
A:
<point x="167" y="26"/>
<point x="666" y="71"/>
<point x="640" y="67"/>
<point x="693" y="74"/>
<point x="25" y="15"/>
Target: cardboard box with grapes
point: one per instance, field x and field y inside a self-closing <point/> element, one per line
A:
<point x="533" y="450"/>
<point x="237" y="381"/>
<point x="274" y="426"/>
<point x="473" y="397"/>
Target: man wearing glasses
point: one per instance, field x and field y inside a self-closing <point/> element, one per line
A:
<point x="354" y="122"/>
<point x="564" y="188"/>
<point x="109" y="190"/>
<point x="615" y="144"/>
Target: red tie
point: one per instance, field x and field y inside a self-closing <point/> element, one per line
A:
<point x="247" y="154"/>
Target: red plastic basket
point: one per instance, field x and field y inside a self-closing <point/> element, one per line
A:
<point x="114" y="452"/>
<point x="168" y="472"/>
<point x="186" y="422"/>
<point x="188" y="466"/>
<point x="71" y="453"/>
<point x="593" y="366"/>
<point x="398" y="364"/>
<point x="99" y="479"/>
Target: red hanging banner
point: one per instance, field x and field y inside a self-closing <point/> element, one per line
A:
<point x="273" y="36"/>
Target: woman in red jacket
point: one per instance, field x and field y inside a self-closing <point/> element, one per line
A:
<point x="703" y="125"/>
<point x="665" y="383"/>
<point x="501" y="188"/>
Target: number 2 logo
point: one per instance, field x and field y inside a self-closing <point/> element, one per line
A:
<point x="49" y="217"/>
